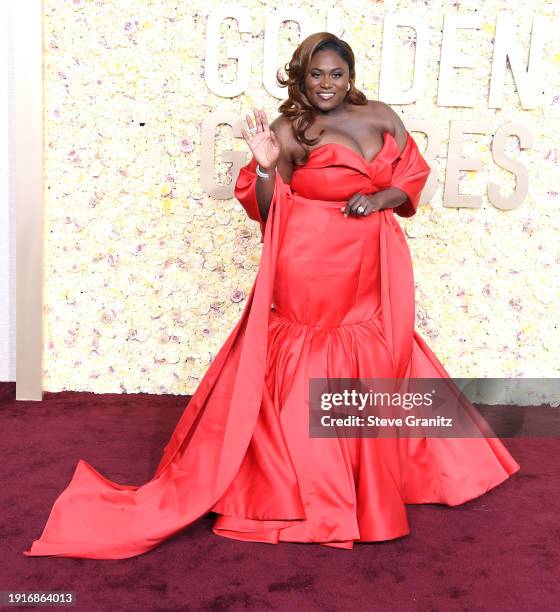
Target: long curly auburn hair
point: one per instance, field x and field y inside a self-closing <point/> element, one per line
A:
<point x="297" y="108"/>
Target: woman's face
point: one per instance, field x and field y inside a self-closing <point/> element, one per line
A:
<point x="327" y="73"/>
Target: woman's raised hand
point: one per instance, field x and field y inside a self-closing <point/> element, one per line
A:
<point x="263" y="143"/>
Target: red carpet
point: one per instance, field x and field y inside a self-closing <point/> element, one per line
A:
<point x="497" y="552"/>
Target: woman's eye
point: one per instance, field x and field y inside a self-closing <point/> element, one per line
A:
<point x="316" y="76"/>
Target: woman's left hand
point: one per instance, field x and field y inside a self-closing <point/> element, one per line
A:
<point x="369" y="203"/>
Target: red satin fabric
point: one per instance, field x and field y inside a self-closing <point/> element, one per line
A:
<point x="333" y="297"/>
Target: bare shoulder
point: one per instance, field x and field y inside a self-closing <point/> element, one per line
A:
<point x="389" y="120"/>
<point x="280" y="124"/>
<point x="282" y="128"/>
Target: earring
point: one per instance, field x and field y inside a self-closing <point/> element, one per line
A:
<point x="348" y="88"/>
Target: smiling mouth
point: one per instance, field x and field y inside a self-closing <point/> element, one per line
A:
<point x="326" y="96"/>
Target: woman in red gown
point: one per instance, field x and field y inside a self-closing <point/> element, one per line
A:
<point x="333" y="297"/>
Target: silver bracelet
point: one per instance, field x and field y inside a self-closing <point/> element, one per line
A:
<point x="261" y="173"/>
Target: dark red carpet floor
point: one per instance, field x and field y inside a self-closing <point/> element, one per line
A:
<point x="497" y="552"/>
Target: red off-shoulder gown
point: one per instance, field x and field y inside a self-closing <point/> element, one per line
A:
<point x="333" y="297"/>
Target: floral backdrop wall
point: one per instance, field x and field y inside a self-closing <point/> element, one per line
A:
<point x="146" y="275"/>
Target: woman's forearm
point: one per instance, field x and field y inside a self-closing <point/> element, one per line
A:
<point x="392" y="197"/>
<point x="264" y="190"/>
